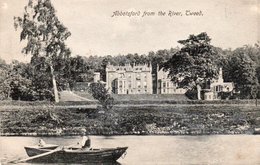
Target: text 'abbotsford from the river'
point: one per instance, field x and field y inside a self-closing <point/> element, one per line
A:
<point x="169" y="13"/>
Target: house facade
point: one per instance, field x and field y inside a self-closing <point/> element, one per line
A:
<point x="129" y="79"/>
<point x="166" y="86"/>
<point x="138" y="79"/>
<point x="218" y="86"/>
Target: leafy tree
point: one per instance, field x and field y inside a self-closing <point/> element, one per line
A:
<point x="194" y="63"/>
<point x="242" y="71"/>
<point x="21" y="88"/>
<point x="100" y="93"/>
<point x="4" y="83"/>
<point x="4" y="86"/>
<point x="45" y="35"/>
<point x="15" y="82"/>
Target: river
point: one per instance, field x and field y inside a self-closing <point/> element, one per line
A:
<point x="190" y="150"/>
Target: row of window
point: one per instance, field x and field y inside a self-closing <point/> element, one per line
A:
<point x="131" y="91"/>
<point x="166" y="84"/>
<point x="130" y="84"/>
<point x="122" y="75"/>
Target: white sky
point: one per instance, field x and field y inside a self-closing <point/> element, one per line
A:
<point x="230" y="24"/>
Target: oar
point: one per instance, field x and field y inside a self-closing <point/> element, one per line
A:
<point x="40" y="155"/>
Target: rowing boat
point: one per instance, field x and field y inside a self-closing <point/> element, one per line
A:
<point x="55" y="154"/>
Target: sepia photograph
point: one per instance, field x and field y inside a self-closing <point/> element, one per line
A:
<point x="120" y="82"/>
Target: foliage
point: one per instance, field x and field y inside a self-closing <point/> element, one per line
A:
<point x="4" y="84"/>
<point x="14" y="81"/>
<point x="242" y="71"/>
<point x="45" y="35"/>
<point x="100" y="93"/>
<point x="192" y="93"/>
<point x="194" y="63"/>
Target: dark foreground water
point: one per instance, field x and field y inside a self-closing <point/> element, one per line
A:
<point x="194" y="150"/>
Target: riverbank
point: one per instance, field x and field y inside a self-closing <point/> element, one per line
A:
<point x="164" y="119"/>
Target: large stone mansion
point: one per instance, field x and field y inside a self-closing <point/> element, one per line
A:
<point x="129" y="79"/>
<point x="138" y="79"/>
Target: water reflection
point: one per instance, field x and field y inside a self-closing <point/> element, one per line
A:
<point x="236" y="149"/>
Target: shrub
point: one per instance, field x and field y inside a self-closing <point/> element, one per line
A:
<point x="100" y="93"/>
<point x="192" y="94"/>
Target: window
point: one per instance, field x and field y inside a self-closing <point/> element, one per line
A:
<point x="219" y="88"/>
<point x="138" y="84"/>
<point x="145" y="84"/>
<point x="120" y="84"/>
<point x="164" y="84"/>
<point x="138" y="76"/>
<point x="121" y="75"/>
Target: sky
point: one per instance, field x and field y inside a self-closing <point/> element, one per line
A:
<point x="230" y="24"/>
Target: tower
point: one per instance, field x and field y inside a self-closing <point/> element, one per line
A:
<point x="96" y="77"/>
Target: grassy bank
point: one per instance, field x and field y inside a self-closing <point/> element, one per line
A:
<point x="134" y="101"/>
<point x="185" y="119"/>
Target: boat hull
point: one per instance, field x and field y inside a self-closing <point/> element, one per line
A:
<point x="36" y="150"/>
<point x="79" y="156"/>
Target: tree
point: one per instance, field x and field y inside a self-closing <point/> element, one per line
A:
<point x="242" y="71"/>
<point x="4" y="83"/>
<point x="100" y="93"/>
<point x="45" y="35"/>
<point x="194" y="63"/>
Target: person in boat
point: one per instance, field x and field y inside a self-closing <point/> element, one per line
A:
<point x="42" y="143"/>
<point x="85" y="142"/>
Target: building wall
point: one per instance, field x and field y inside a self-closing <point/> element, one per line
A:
<point x="218" y="85"/>
<point x="96" y="76"/>
<point x="166" y="86"/>
<point x="129" y="79"/>
<point x="138" y="79"/>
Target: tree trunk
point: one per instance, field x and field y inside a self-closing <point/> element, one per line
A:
<point x="55" y="90"/>
<point x="198" y="92"/>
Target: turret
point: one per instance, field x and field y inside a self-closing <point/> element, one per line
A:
<point x="220" y="76"/>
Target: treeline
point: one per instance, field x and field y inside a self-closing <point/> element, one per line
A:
<point x="32" y="81"/>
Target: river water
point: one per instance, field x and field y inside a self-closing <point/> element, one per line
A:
<point x="190" y="150"/>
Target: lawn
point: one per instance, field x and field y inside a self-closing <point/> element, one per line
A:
<point x="168" y="119"/>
